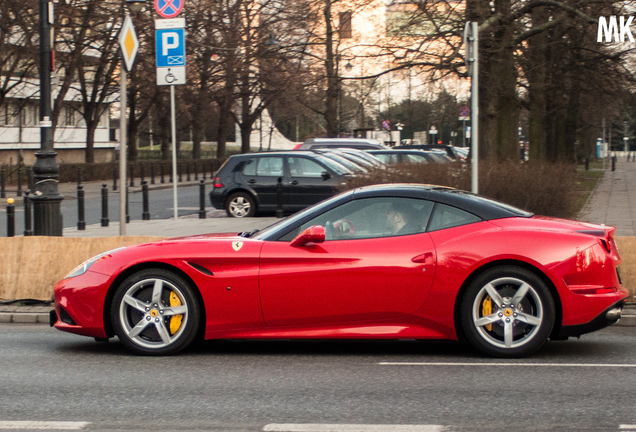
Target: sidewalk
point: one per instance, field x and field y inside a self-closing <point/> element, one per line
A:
<point x="613" y="202"/>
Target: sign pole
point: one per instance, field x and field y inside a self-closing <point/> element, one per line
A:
<point x="122" y="148"/>
<point x="173" y="120"/>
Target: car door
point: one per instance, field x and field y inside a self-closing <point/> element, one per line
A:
<point x="363" y="274"/>
<point x="306" y="184"/>
<point x="261" y="174"/>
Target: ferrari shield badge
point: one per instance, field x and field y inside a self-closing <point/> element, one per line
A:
<point x="237" y="245"/>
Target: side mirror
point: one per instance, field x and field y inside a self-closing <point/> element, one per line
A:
<point x="314" y="234"/>
<point x="325" y="175"/>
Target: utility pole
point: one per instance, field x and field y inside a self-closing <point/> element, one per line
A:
<point x="47" y="215"/>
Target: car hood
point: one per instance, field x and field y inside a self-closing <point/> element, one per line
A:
<point x="180" y="250"/>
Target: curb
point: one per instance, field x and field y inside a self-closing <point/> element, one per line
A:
<point x="24" y="318"/>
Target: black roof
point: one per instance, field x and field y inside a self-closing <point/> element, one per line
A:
<point x="482" y="207"/>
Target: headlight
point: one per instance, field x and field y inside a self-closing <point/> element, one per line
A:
<point x="83" y="267"/>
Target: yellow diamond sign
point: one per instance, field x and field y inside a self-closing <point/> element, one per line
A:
<point x="128" y="42"/>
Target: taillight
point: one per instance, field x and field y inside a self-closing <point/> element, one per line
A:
<point x="217" y="183"/>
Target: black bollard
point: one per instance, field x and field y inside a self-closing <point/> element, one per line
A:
<point x="28" y="218"/>
<point x="180" y="169"/>
<point x="10" y="218"/>
<point x="143" y="172"/>
<point x="30" y="179"/>
<point x="279" y="198"/>
<point x="132" y="175"/>
<point x="145" y="215"/>
<point x="115" y="175"/>
<point x="152" y="173"/>
<point x="127" y="214"/>
<point x="188" y="171"/>
<point x="81" y="223"/>
<point x="202" y="199"/>
<point x="105" y="220"/>
<point x="196" y="171"/>
<point x="613" y="163"/>
<point x="3" y="192"/>
<point x="19" y="182"/>
<point x="163" y="180"/>
<point x="203" y="169"/>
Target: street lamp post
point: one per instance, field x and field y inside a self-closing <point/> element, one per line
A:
<point x="46" y="199"/>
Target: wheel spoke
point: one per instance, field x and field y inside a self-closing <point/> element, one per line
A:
<point x="175" y="310"/>
<point x="528" y="319"/>
<point x="486" y="320"/>
<point x="135" y="303"/>
<point x="494" y="295"/>
<point x="520" y="294"/>
<point x="163" y="332"/>
<point x="508" y="334"/>
<point x="137" y="329"/>
<point x="156" y="291"/>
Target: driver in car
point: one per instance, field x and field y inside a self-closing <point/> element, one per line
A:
<point x="402" y="219"/>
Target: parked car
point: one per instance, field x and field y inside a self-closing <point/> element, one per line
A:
<point x="356" y="143"/>
<point x="449" y="149"/>
<point x="395" y="156"/>
<point x="380" y="262"/>
<point x="247" y="183"/>
<point x="351" y="157"/>
<point x="352" y="166"/>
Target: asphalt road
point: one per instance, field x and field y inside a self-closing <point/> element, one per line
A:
<point x="160" y="203"/>
<point x="407" y="386"/>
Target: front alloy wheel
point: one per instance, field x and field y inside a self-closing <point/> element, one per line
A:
<point x="155" y="312"/>
<point x="507" y="312"/>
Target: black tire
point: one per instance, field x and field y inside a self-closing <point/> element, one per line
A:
<point x="240" y="204"/>
<point x="143" y="312"/>
<point x="507" y="311"/>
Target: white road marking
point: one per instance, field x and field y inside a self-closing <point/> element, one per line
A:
<point x="572" y="365"/>
<point x="310" y="427"/>
<point x="42" y="425"/>
<point x="627" y="427"/>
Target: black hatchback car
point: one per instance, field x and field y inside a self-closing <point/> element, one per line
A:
<point x="248" y="183"/>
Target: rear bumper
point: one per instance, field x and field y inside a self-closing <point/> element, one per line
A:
<point x="609" y="316"/>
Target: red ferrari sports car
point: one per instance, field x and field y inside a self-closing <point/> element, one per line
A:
<point x="381" y="262"/>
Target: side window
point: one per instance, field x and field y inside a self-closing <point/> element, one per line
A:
<point x="249" y="169"/>
<point x="302" y="167"/>
<point x="270" y="166"/>
<point x="372" y="218"/>
<point x="445" y="216"/>
<point x="410" y="158"/>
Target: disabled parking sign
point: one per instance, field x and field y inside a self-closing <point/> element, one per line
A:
<point x="170" y="51"/>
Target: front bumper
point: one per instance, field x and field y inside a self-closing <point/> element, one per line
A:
<point x="609" y="316"/>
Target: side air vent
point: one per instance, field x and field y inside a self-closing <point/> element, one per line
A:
<point x="66" y="318"/>
<point x="201" y="269"/>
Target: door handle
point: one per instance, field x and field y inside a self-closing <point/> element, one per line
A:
<point x="425" y="258"/>
<point x="251" y="181"/>
<point x="295" y="182"/>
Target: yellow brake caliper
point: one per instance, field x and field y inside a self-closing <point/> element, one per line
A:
<point x="486" y="309"/>
<point x="175" y="321"/>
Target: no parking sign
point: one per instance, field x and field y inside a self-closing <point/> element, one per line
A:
<point x="169" y="8"/>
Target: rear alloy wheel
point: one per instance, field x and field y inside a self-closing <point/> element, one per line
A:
<point x="155" y="312"/>
<point x="507" y="312"/>
<point x="240" y="205"/>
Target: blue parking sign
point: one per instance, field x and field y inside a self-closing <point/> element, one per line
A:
<point x="170" y="45"/>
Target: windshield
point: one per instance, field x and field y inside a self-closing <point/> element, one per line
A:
<point x="335" y="166"/>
